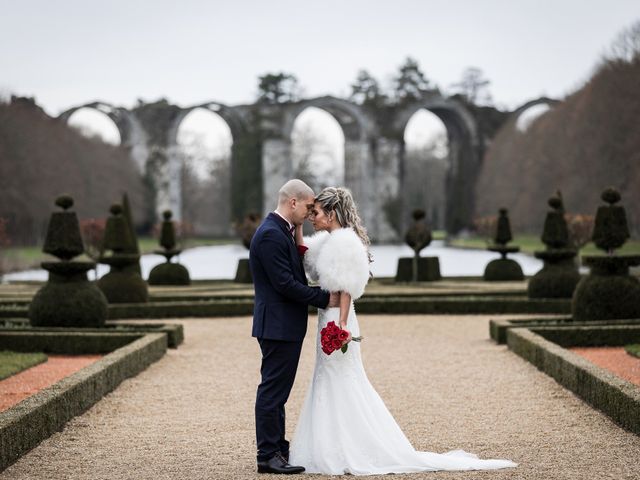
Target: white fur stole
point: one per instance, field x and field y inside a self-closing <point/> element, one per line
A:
<point x="338" y="261"/>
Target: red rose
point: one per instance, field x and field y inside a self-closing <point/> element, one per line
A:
<point x="335" y="330"/>
<point x="327" y="350"/>
<point x="343" y="335"/>
<point x="331" y="324"/>
<point x="336" y="343"/>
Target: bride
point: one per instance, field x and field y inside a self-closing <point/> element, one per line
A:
<point x="344" y="426"/>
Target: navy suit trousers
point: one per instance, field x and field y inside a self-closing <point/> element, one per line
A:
<point x="278" y="371"/>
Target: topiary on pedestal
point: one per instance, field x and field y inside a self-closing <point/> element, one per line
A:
<point x="503" y="269"/>
<point x="123" y="283"/>
<point x="168" y="273"/>
<point x="608" y="292"/>
<point x="418" y="268"/>
<point x="68" y="299"/>
<point x="559" y="275"/>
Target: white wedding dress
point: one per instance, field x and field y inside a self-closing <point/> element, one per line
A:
<point x="344" y="426"/>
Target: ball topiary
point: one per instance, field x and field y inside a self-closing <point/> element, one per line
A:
<point x="503" y="269"/>
<point x="169" y="274"/>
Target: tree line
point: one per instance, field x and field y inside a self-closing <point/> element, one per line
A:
<point x="589" y="141"/>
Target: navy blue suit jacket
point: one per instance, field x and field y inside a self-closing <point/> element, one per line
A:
<point x="282" y="296"/>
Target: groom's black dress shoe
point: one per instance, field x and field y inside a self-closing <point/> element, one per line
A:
<point x="278" y="464"/>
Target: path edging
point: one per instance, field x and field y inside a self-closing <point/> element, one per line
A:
<point x="610" y="394"/>
<point x="26" y="424"/>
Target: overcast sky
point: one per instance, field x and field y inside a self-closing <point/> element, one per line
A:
<point x="69" y="52"/>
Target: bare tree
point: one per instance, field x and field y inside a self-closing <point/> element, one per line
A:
<point x="473" y="86"/>
<point x="314" y="157"/>
<point x="626" y="46"/>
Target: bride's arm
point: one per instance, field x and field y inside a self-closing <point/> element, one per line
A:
<point x="345" y="306"/>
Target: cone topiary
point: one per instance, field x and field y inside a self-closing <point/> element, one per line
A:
<point x="418" y="268"/>
<point x="168" y="273"/>
<point x="608" y="292"/>
<point x="68" y="299"/>
<point x="559" y="275"/>
<point x="123" y="283"/>
<point x="503" y="268"/>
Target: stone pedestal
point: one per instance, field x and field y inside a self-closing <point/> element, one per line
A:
<point x="428" y="269"/>
<point x="243" y="273"/>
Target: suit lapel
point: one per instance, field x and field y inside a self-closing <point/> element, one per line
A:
<point x="293" y="249"/>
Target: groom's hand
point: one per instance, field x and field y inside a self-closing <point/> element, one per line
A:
<point x="334" y="300"/>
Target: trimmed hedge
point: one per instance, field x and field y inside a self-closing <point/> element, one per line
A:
<point x="503" y="270"/>
<point x="72" y="343"/>
<point x="461" y="305"/>
<point x="34" y="419"/>
<point x="174" y="332"/>
<point x="498" y="327"/>
<point x="614" y="396"/>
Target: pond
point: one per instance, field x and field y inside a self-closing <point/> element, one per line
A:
<point x="220" y="261"/>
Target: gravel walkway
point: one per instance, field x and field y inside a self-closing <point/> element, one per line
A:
<point x="190" y="415"/>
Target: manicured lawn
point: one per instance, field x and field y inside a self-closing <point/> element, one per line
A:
<point x="633" y="349"/>
<point x="14" y="362"/>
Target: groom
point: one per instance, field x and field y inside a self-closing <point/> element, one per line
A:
<point x="282" y="299"/>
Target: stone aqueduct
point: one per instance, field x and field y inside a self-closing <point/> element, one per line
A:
<point x="261" y="157"/>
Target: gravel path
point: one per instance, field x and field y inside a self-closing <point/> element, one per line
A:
<point x="190" y="415"/>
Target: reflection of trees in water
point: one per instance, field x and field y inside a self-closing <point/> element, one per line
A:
<point x="206" y="183"/>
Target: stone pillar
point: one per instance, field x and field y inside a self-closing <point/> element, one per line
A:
<point x="358" y="177"/>
<point x="277" y="168"/>
<point x="385" y="190"/>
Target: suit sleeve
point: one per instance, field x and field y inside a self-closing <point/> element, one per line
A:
<point x="274" y="257"/>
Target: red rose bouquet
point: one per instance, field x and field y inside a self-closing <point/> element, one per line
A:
<point x="333" y="338"/>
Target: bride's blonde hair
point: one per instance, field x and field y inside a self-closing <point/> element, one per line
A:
<point x="340" y="201"/>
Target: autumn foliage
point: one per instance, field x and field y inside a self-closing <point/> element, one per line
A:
<point x="41" y="157"/>
<point x="587" y="142"/>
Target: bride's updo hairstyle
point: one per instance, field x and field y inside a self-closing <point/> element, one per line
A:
<point x="339" y="201"/>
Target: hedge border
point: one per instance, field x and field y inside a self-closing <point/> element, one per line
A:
<point x="174" y="331"/>
<point x="498" y="327"/>
<point x="31" y="421"/>
<point x="615" y="397"/>
<point x="386" y="304"/>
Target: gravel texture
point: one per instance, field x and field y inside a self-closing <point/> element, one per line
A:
<point x="190" y="415"/>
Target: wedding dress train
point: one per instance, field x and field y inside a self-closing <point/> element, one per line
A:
<point x="345" y="427"/>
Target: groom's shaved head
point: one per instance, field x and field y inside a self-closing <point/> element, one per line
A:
<point x="294" y="189"/>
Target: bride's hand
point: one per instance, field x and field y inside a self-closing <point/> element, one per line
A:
<point x="348" y="339"/>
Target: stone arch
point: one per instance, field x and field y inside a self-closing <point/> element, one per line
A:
<point x="358" y="128"/>
<point x="207" y="224"/>
<point x="465" y="153"/>
<point x="354" y="123"/>
<point x="231" y="117"/>
<point x="532" y="103"/>
<point x="132" y="134"/>
<point x="527" y="114"/>
<point x="240" y="135"/>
